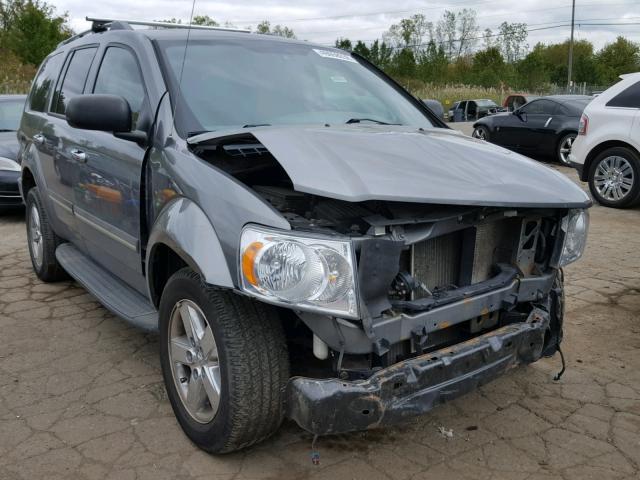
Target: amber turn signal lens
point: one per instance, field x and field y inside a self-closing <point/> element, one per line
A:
<point x="248" y="262"/>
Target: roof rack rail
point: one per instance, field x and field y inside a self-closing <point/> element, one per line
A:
<point x="104" y="24"/>
<point x="107" y="22"/>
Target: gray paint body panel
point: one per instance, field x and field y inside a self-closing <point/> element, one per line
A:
<point x="357" y="163"/>
<point x="185" y="228"/>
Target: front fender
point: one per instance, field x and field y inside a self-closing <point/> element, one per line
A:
<point x="184" y="227"/>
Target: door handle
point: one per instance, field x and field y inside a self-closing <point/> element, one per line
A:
<point x="548" y="122"/>
<point x="79" y="155"/>
<point x="38" y="138"/>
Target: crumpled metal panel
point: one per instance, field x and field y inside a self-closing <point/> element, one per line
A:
<point x="383" y="162"/>
<point x="414" y="386"/>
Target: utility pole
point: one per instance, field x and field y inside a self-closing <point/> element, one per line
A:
<point x="573" y="14"/>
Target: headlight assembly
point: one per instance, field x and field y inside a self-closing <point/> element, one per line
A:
<point x="575" y="227"/>
<point x="306" y="272"/>
<point x="8" y="164"/>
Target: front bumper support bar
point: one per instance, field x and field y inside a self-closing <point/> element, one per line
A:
<point x="414" y="386"/>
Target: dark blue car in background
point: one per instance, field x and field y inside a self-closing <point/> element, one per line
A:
<point x="11" y="107"/>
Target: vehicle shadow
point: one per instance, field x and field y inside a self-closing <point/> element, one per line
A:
<point x="12" y="215"/>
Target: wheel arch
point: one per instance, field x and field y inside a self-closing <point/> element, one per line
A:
<point x="598" y="149"/>
<point x="182" y="236"/>
<point x="561" y="134"/>
<point x="27" y="182"/>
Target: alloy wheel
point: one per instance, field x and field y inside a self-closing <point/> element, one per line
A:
<point x="195" y="364"/>
<point x="35" y="236"/>
<point x="480" y="134"/>
<point x="565" y="149"/>
<point x="613" y="178"/>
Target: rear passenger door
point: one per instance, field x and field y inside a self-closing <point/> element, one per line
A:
<point x="54" y="140"/>
<point x="38" y="140"/>
<point x="108" y="194"/>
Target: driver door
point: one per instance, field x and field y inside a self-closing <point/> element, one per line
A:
<point x="530" y="124"/>
<point x="108" y="190"/>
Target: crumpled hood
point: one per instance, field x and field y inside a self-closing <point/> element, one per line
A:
<point x="9" y="145"/>
<point x="379" y="162"/>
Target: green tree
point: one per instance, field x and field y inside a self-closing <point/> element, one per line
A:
<point x="362" y="49"/>
<point x="488" y="67"/>
<point x="205" y="20"/>
<point x="621" y="56"/>
<point x="532" y="70"/>
<point x="344" y="44"/>
<point x="433" y="63"/>
<point x="264" y="27"/>
<point x="31" y="29"/>
<point x="404" y="64"/>
<point x="380" y="54"/>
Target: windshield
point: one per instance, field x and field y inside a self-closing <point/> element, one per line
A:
<point x="10" y="114"/>
<point x="486" y="103"/>
<point x="253" y="82"/>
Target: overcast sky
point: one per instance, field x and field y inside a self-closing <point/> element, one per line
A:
<point x="322" y="21"/>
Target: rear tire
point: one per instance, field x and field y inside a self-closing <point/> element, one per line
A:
<point x="250" y="364"/>
<point x="614" y="178"/>
<point x="564" y="148"/>
<point x="42" y="240"/>
<point x="481" y="133"/>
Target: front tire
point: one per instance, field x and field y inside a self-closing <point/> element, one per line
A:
<point x="42" y="240"/>
<point x="614" y="178"/>
<point x="224" y="362"/>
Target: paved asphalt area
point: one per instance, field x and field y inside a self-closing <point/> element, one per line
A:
<point x="81" y="394"/>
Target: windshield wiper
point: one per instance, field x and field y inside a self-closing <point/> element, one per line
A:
<point x="373" y="120"/>
<point x="7" y="130"/>
<point x="253" y="125"/>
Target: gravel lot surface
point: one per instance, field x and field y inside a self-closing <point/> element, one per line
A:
<point x="81" y="394"/>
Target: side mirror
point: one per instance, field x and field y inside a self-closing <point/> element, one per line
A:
<point x="521" y="115"/>
<point x="107" y="113"/>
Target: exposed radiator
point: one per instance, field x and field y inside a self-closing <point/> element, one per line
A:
<point x="436" y="262"/>
<point x="495" y="242"/>
<point x="464" y="257"/>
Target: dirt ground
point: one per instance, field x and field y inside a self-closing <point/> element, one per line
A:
<point x="81" y="394"/>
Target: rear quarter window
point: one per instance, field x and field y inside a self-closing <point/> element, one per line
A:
<point x="44" y="82"/>
<point x="628" y="98"/>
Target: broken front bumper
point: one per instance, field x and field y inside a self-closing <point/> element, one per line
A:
<point x="414" y="386"/>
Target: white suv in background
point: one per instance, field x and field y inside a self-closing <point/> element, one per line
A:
<point x="606" y="152"/>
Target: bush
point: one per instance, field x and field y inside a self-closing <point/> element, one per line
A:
<point x="15" y="77"/>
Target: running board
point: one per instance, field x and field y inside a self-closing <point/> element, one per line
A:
<point x="114" y="294"/>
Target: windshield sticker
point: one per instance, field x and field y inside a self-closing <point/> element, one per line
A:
<point x="335" y="55"/>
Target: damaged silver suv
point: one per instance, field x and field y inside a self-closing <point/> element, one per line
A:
<point x="309" y="239"/>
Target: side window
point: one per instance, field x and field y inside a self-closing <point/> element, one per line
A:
<point x="74" y="79"/>
<point x="119" y="74"/>
<point x="629" y="98"/>
<point x="539" y="107"/>
<point x="44" y="82"/>
<point x="562" y="110"/>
